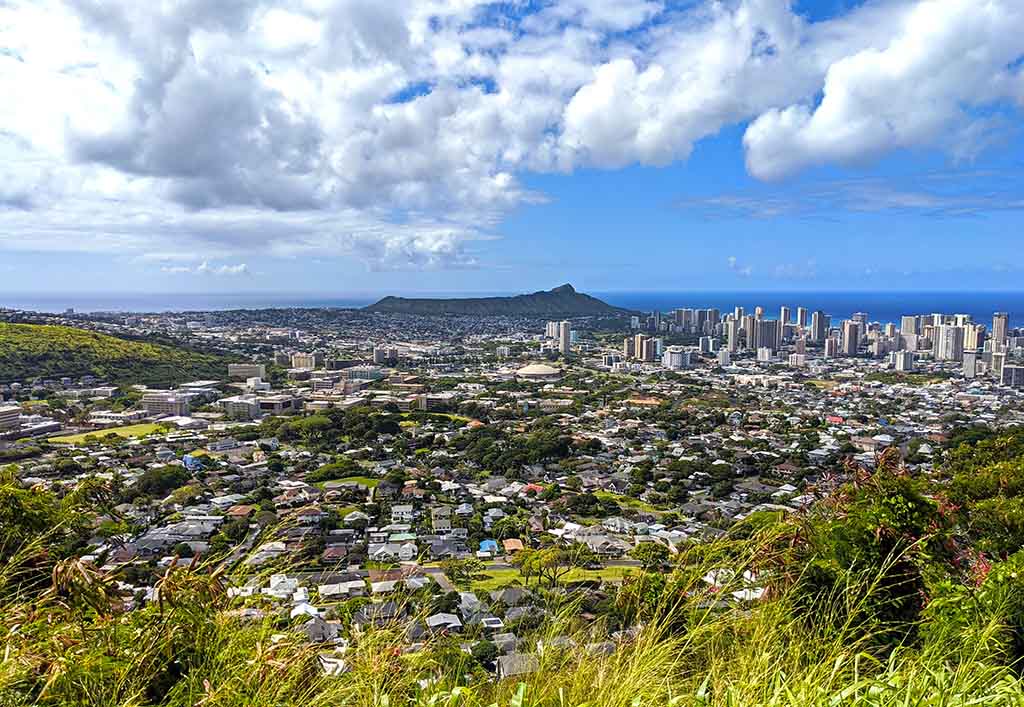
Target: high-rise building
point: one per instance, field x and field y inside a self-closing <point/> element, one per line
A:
<point x="974" y="336"/>
<point x="766" y="334"/>
<point x="800" y="346"/>
<point x="724" y="358"/>
<point x="764" y="354"/>
<point x="785" y="314"/>
<point x="819" y="326"/>
<point x="649" y="350"/>
<point x="749" y="322"/>
<point x="797" y="360"/>
<point x="861" y="318"/>
<point x="1012" y="376"/>
<point x="707" y="344"/>
<point x="998" y="363"/>
<point x="910" y="325"/>
<point x="948" y="343"/>
<point x="738" y="314"/>
<point x="801" y="316"/>
<point x="565" y="338"/>
<point x="851" y="337"/>
<point x="551" y="330"/>
<point x="732" y="335"/>
<point x="970" y="364"/>
<point x="902" y="361"/>
<point x="1000" y="327"/>
<point x="307" y="360"/>
<point x="831" y="347"/>
<point x="629" y="347"/>
<point x="676" y="358"/>
<point x="644" y="348"/>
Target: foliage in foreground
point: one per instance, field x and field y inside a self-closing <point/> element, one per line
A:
<point x="878" y="597"/>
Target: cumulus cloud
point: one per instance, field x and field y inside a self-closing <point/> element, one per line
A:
<point x="399" y="132"/>
<point x="948" y="60"/>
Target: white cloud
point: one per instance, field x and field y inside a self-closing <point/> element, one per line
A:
<point x="398" y="132"/>
<point x="738" y="268"/>
<point x="948" y="59"/>
<point x="205" y="268"/>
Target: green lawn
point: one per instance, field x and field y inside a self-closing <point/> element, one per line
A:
<point x="126" y="431"/>
<point x="366" y="481"/>
<point x="627" y="501"/>
<point x="450" y="416"/>
<point x="497" y="578"/>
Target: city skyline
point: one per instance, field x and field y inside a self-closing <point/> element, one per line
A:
<point x="481" y="147"/>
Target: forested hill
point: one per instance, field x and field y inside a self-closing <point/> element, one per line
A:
<point x="562" y="301"/>
<point x="35" y="350"/>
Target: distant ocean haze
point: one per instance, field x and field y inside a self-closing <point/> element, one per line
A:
<point x="880" y="306"/>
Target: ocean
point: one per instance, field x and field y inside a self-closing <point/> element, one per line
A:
<point x="880" y="306"/>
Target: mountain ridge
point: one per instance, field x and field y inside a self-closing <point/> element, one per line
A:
<point x="563" y="301"/>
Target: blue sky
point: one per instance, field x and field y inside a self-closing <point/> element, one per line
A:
<point x="630" y="145"/>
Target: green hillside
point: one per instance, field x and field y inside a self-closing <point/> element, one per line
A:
<point x="562" y="301"/>
<point x="32" y="350"/>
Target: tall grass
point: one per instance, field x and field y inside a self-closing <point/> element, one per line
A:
<point x="70" y="645"/>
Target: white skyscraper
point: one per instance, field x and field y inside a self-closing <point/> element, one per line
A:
<point x="1000" y="326"/>
<point x="948" y="343"/>
<point x="902" y="361"/>
<point x="564" y="338"/>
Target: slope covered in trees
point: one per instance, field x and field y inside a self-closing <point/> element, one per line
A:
<point x="35" y="350"/>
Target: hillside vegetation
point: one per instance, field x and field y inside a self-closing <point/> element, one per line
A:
<point x="35" y="350"/>
<point x="899" y="589"/>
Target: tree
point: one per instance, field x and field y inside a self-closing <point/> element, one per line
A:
<point x="650" y="555"/>
<point x="339" y="469"/>
<point x="484" y="652"/>
<point x="553" y="563"/>
<point x="462" y="571"/>
<point x="235" y="530"/>
<point x="508" y="527"/>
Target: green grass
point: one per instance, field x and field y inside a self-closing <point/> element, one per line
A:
<point x="918" y="379"/>
<point x="496" y="578"/>
<point x="827" y="633"/>
<point x="367" y="481"/>
<point x="628" y="501"/>
<point x="124" y="432"/>
<point x="30" y="350"/>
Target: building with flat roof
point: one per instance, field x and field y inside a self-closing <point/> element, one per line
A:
<point x="244" y="371"/>
<point x="166" y="402"/>
<point x="9" y="415"/>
